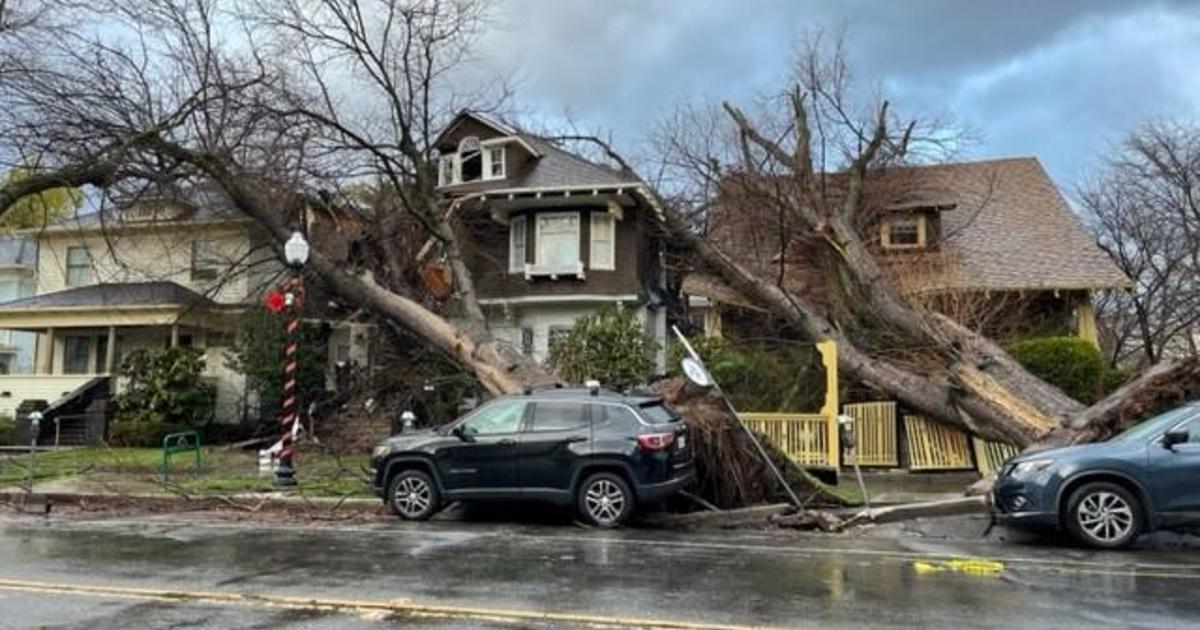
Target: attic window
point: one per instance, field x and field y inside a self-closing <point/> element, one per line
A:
<point x="470" y="160"/>
<point x="903" y="233"/>
<point x="473" y="161"/>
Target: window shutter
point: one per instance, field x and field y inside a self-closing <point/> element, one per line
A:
<point x="603" y="241"/>
<point x="516" y="245"/>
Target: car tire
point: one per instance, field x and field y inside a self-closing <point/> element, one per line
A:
<point x="413" y="495"/>
<point x="1104" y="515"/>
<point x="605" y="500"/>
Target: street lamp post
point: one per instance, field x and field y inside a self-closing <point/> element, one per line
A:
<point x="295" y="252"/>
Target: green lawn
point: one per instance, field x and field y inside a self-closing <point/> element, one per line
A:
<point x="222" y="472"/>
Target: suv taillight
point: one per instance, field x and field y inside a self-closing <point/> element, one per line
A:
<point x="655" y="441"/>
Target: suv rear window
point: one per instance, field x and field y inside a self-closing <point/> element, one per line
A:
<point x="558" y="416"/>
<point x="658" y="414"/>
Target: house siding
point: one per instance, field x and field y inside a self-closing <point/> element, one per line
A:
<point x="493" y="280"/>
<point x="154" y="255"/>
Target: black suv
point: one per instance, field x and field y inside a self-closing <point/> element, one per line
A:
<point x="604" y="451"/>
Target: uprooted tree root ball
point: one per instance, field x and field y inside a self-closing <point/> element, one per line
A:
<point x="731" y="472"/>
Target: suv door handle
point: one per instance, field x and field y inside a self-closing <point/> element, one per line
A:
<point x="507" y="442"/>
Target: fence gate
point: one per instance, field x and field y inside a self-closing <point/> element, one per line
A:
<point x="875" y="433"/>
<point x="935" y="446"/>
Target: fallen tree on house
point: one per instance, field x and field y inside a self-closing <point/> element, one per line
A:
<point x="264" y="128"/>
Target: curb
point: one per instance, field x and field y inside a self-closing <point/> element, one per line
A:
<point x="182" y="503"/>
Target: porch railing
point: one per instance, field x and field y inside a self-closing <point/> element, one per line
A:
<point x="875" y="442"/>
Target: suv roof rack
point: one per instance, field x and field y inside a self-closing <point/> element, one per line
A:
<point x="529" y="389"/>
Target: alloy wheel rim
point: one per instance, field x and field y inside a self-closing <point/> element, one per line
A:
<point x="412" y="496"/>
<point x="605" y="502"/>
<point x="1105" y="516"/>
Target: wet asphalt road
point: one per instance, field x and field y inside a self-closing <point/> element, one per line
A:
<point x="184" y="571"/>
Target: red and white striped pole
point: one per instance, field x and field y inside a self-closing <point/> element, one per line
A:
<point x="295" y="252"/>
<point x="285" y="473"/>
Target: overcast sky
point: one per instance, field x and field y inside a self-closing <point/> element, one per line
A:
<point x="1056" y="79"/>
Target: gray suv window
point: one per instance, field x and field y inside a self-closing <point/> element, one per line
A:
<point x="558" y="416"/>
<point x="502" y="417"/>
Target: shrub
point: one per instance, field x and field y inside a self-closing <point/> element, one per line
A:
<point x="8" y="429"/>
<point x="611" y="346"/>
<point x="1072" y="364"/>
<point x="163" y="387"/>
<point x="761" y="377"/>
<point x="258" y="354"/>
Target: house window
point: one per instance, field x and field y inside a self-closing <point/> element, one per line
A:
<point x="557" y="334"/>
<point x="557" y="240"/>
<point x="516" y="245"/>
<point x="76" y="352"/>
<point x="446" y="170"/>
<point x="470" y="160"/>
<point x="906" y="233"/>
<point x="603" y="241"/>
<point x="79" y="266"/>
<point x="206" y="260"/>
<point x="527" y="341"/>
<point x="495" y="163"/>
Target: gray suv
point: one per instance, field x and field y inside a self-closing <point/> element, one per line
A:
<point x="1107" y="494"/>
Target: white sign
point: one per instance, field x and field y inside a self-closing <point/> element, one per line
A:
<point x="696" y="373"/>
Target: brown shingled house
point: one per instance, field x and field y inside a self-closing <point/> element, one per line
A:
<point x="553" y="236"/>
<point x="991" y="241"/>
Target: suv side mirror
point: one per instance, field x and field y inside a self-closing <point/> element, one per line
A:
<point x="459" y="433"/>
<point x="1171" y="438"/>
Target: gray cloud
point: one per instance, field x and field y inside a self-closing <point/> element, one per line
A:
<point x="1033" y="77"/>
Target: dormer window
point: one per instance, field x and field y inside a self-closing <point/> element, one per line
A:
<point x="902" y="233"/>
<point x="473" y="161"/>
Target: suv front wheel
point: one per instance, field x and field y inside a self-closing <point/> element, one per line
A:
<point x="1104" y="515"/>
<point x="605" y="499"/>
<point x="413" y="495"/>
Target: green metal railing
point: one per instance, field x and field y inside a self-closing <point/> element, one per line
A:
<point x="176" y="443"/>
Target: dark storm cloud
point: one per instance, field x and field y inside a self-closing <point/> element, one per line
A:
<point x="1057" y="80"/>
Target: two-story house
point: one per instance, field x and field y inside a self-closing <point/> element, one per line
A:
<point x="552" y="236"/>
<point x="992" y="243"/>
<point x="169" y="271"/>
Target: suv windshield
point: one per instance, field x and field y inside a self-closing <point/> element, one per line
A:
<point x="1158" y="424"/>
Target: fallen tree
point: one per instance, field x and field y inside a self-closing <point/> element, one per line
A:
<point x="262" y="125"/>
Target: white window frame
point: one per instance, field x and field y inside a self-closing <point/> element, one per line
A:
<point x="448" y="178"/>
<point x="600" y="218"/>
<point x="489" y="172"/>
<point x="88" y="268"/>
<point x="517" y="232"/>
<point x="537" y="234"/>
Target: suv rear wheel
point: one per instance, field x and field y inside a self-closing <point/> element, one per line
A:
<point x="412" y="495"/>
<point x="605" y="500"/>
<point x="1104" y="515"/>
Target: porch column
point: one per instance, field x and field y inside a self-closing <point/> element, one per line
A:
<point x="174" y="335"/>
<point x="45" y="351"/>
<point x="110" y="351"/>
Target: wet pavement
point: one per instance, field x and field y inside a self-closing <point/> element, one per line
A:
<point x="189" y="571"/>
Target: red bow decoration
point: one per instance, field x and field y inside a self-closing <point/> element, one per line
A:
<point x="275" y="301"/>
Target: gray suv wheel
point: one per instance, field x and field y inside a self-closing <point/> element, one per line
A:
<point x="1104" y="515"/>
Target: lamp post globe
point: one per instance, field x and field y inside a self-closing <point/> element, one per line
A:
<point x="296" y="250"/>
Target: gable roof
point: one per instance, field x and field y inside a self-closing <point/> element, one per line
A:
<point x="1011" y="228"/>
<point x="195" y="204"/>
<point x="550" y="167"/>
<point x="1004" y="227"/>
<point x="160" y="293"/>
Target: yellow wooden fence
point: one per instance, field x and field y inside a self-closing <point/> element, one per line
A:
<point x="989" y="456"/>
<point x="874" y="433"/>
<point x="935" y="446"/>
<point x="803" y="436"/>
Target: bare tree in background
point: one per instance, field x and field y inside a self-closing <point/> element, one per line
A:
<point x="1145" y="208"/>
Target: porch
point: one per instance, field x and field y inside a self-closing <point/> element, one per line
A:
<point x="85" y="333"/>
